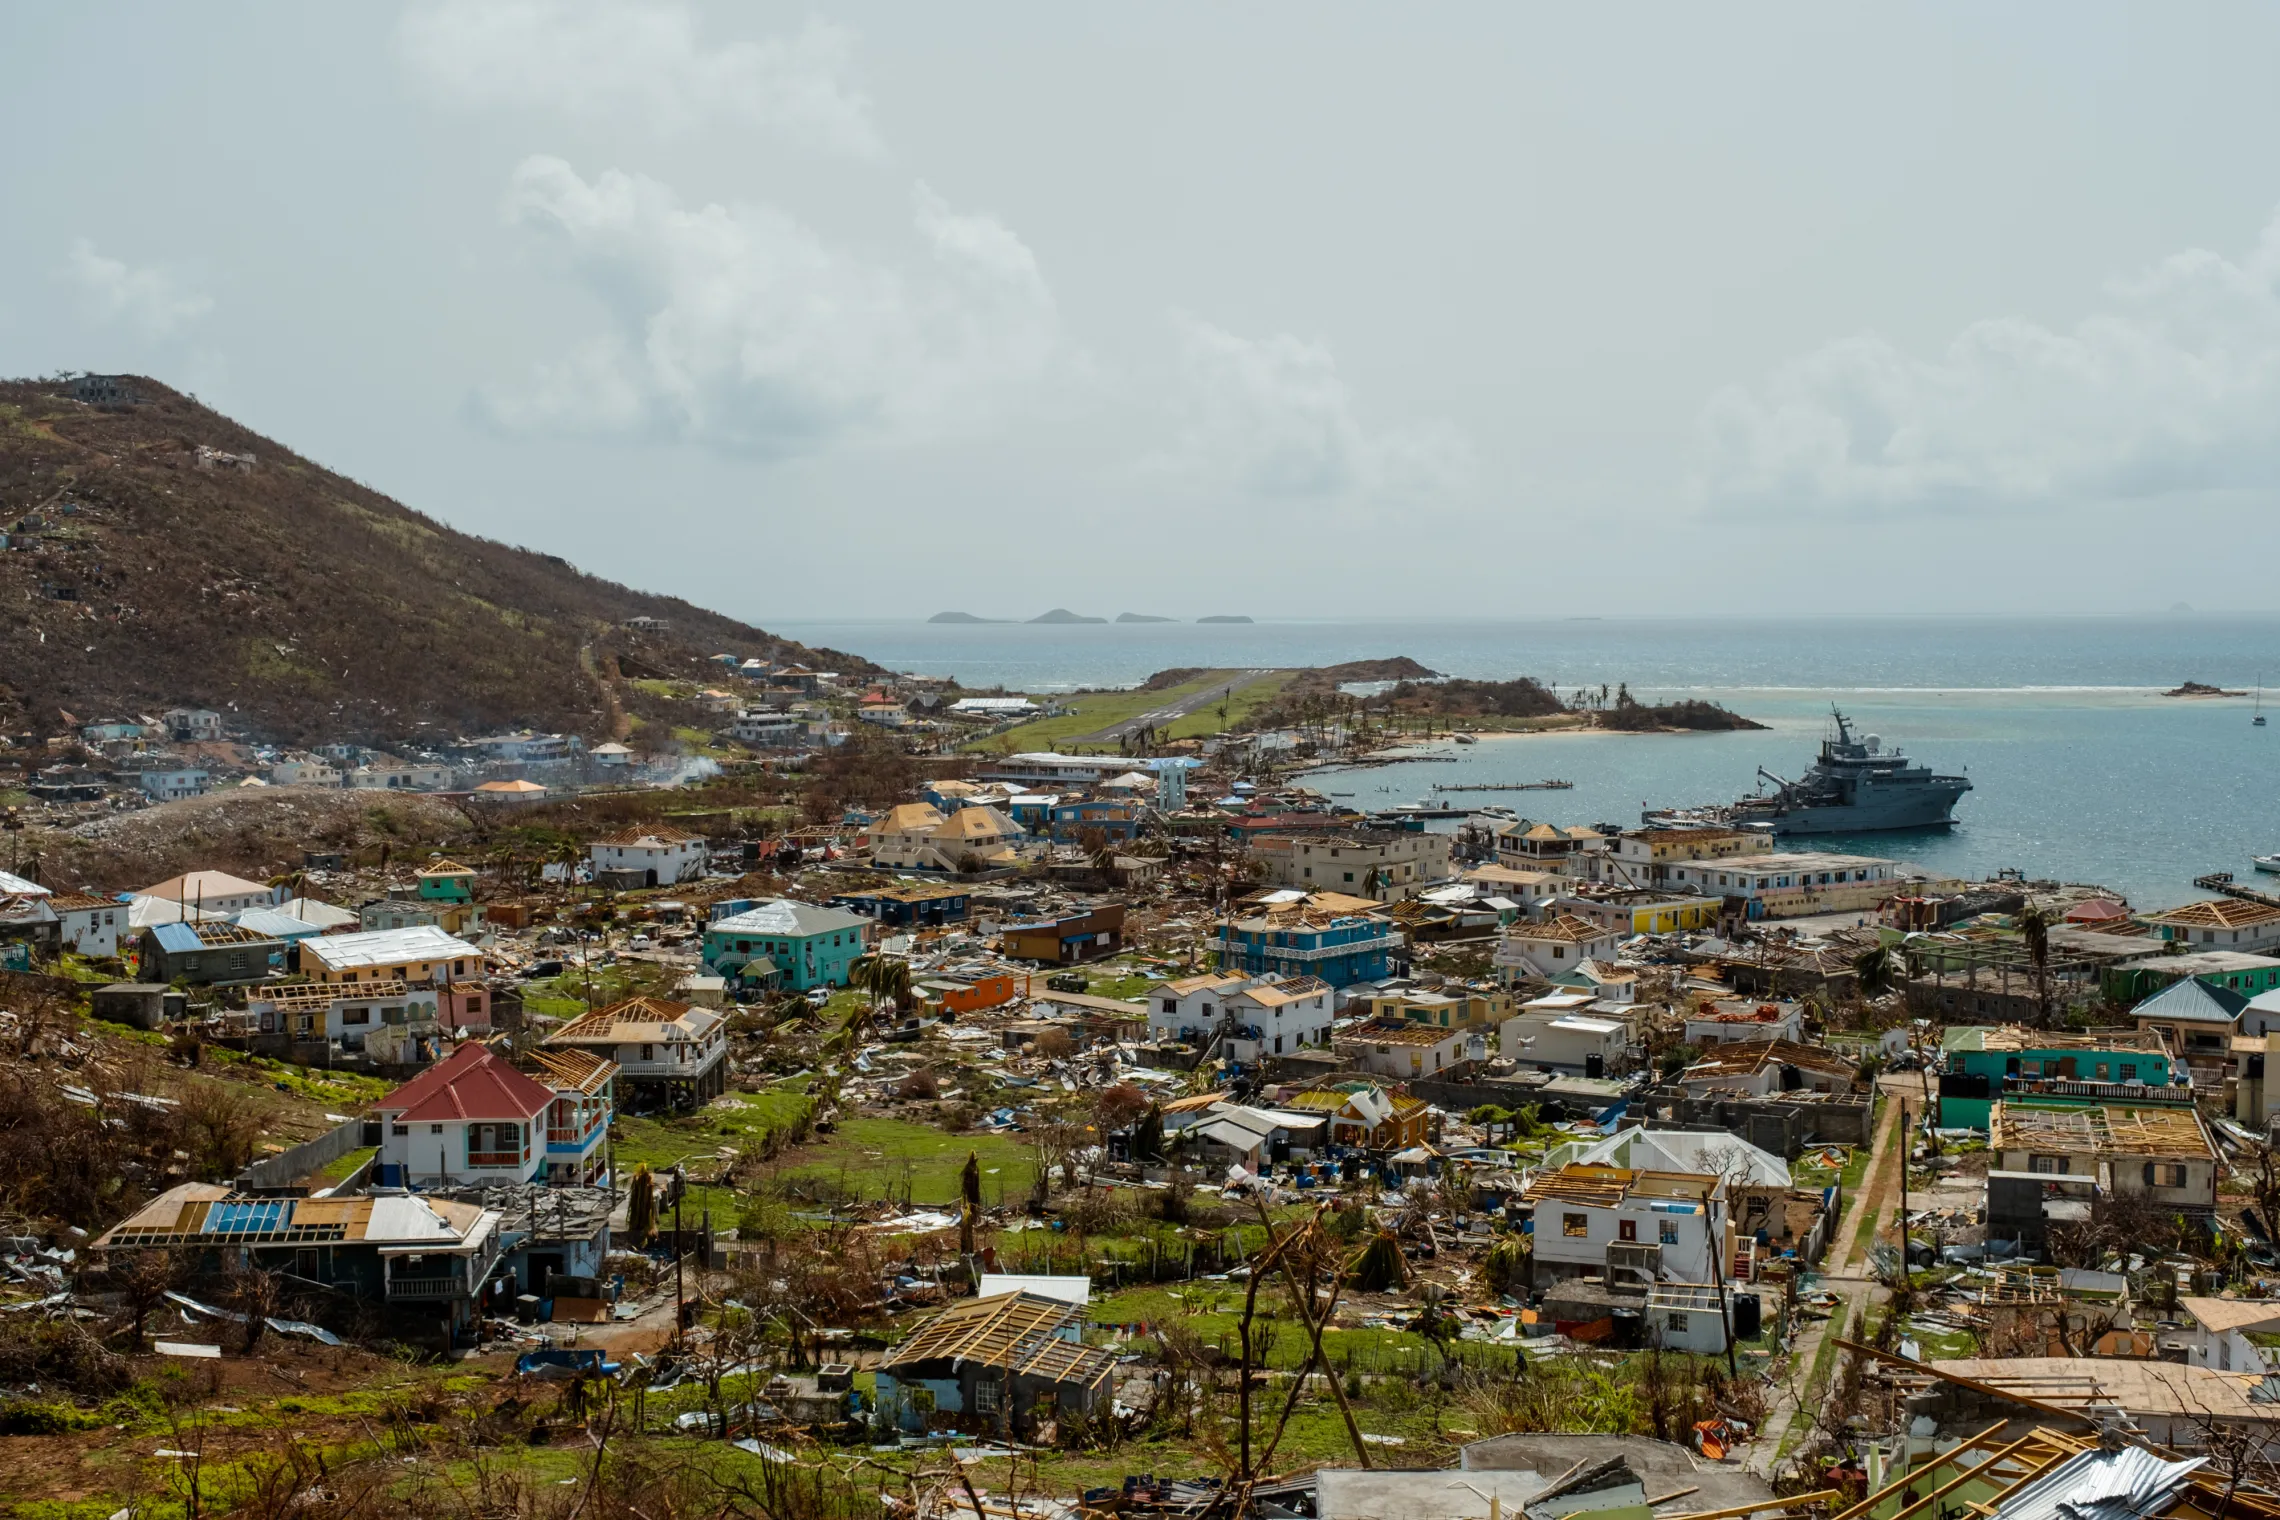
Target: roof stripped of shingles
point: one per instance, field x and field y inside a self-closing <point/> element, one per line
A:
<point x="639" y="1018"/>
<point x="1566" y="928"/>
<point x="1743" y="1057"/>
<point x="654" y="837"/>
<point x="1018" y="1332"/>
<point x="573" y="1069"/>
<point x="303" y="997"/>
<point x="2216" y="913"/>
<point x="1210" y="981"/>
<point x="472" y="1083"/>
<point x="206" y="1212"/>
<point x="2107" y="1129"/>
<point x="1291" y="990"/>
<point x="445" y="868"/>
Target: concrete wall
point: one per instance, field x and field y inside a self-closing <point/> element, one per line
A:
<point x="1768" y="1123"/>
<point x="290" y="1166"/>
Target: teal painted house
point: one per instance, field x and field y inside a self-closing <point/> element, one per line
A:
<point x="1981" y="1065"/>
<point x="786" y="944"/>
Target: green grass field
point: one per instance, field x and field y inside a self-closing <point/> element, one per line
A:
<point x="1092" y="711"/>
<point x="875" y="1157"/>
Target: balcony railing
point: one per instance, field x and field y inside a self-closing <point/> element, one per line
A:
<point x="450" y="1285"/>
<point x="497" y="1158"/>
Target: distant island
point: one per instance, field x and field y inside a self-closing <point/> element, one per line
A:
<point x="2201" y="689"/>
<point x="964" y="617"/>
<point x="1064" y="615"/>
<point x="1224" y="618"/>
<point x="1142" y="617"/>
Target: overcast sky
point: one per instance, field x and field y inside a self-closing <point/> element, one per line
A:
<point x="1298" y="310"/>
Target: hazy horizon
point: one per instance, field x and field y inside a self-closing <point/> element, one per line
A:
<point x="876" y="311"/>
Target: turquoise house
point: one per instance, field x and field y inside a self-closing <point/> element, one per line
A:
<point x="1980" y="1065"/>
<point x="786" y="944"/>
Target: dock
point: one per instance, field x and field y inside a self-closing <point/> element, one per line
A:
<point x="2222" y="882"/>
<point x="1507" y="786"/>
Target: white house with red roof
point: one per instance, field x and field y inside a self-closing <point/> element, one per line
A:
<point x="470" y="1118"/>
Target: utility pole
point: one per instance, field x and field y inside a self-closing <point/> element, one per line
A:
<point x="680" y="1306"/>
<point x="1904" y="1147"/>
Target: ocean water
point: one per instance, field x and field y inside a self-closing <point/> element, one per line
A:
<point x="2079" y="769"/>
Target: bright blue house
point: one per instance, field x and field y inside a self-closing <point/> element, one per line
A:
<point x="1119" y="821"/>
<point x="1340" y="949"/>
<point x="793" y="945"/>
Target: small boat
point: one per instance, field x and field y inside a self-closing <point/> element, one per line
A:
<point x="1466" y="739"/>
<point x="2269" y="863"/>
<point x="2258" y="720"/>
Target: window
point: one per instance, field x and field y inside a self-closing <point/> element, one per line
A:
<point x="1666" y="1230"/>
<point x="1575" y="1225"/>
<point x="1626" y="1229"/>
<point x="2168" y="1174"/>
<point x="648" y="1052"/>
<point x="2055" y="1165"/>
<point x="2129" y="1071"/>
<point x="1677" y="1320"/>
<point x="399" y="1130"/>
<point x="435" y="1129"/>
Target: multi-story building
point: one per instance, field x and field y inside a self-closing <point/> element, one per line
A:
<point x="470" y="1118"/>
<point x="2163" y="1153"/>
<point x="1191" y="1009"/>
<point x="1980" y="1066"/>
<point x="1384" y="866"/>
<point x="1620" y="1222"/>
<point x="1550" y="947"/>
<point x="1787" y="885"/>
<point x="584" y="1084"/>
<point x="667" y="1054"/>
<point x="1301" y="939"/>
<point x="1642" y="858"/>
<point x="794" y="945"/>
<point x="1277" y="1015"/>
<point x="1405" y="1051"/>
<point x="657" y="855"/>
<point x="419" y="955"/>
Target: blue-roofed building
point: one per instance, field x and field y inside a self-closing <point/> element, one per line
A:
<point x="206" y="953"/>
<point x="1298" y="939"/>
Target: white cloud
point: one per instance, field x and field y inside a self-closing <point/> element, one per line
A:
<point x="640" y="66"/>
<point x="148" y="301"/>
<point x="739" y="326"/>
<point x="1272" y="417"/>
<point x="2175" y="389"/>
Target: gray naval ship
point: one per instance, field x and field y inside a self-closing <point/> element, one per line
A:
<point x="1857" y="786"/>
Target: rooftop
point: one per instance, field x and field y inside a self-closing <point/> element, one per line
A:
<point x="1018" y="1332"/>
<point x="473" y="1082"/>
<point x="646" y="1019"/>
<point x="1607" y="1186"/>
<point x="784" y="916"/>
<point x="209" y="1213"/>
<point x="382" y="947"/>
<point x="1565" y="928"/>
<point x="2099" y="1130"/>
<point x="2014" y="1037"/>
<point x="2216" y="913"/>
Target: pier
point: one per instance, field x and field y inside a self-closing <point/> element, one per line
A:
<point x="2222" y="882"/>
<point x="1506" y="786"/>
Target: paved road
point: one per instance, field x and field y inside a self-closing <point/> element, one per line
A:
<point x="1180" y="707"/>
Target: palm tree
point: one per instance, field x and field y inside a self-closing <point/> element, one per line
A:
<point x="2034" y="928"/>
<point x="1875" y="970"/>
<point x="567" y="854"/>
<point x="290" y="882"/>
<point x="885" y="977"/>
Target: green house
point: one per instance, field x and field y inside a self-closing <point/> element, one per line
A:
<point x="1979" y="1065"/>
<point x="447" y="881"/>
<point x="786" y="944"/>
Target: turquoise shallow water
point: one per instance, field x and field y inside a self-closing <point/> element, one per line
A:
<point x="2079" y="770"/>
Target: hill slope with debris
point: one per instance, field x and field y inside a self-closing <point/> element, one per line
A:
<point x="160" y="555"/>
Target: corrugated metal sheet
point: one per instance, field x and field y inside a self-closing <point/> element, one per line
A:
<point x="2102" y="1485"/>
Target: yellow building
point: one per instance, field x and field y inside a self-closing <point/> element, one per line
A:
<point x="1456" y="1008"/>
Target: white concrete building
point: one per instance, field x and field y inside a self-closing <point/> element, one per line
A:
<point x="471" y="1118"/>
<point x="88" y="925"/>
<point x="1551" y="947"/>
<point x="1564" y="1041"/>
<point x="1191" y="1009"/>
<point x="211" y="892"/>
<point x="662" y="855"/>
<point x="1278" y="1015"/>
<point x="1383" y="866"/>
<point x="1655" y="1226"/>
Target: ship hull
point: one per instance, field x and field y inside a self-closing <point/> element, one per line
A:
<point x="1925" y="807"/>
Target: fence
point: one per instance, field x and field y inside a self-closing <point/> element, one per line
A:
<point x="287" y="1167"/>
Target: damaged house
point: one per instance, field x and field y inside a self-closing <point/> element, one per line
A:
<point x="1003" y="1364"/>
